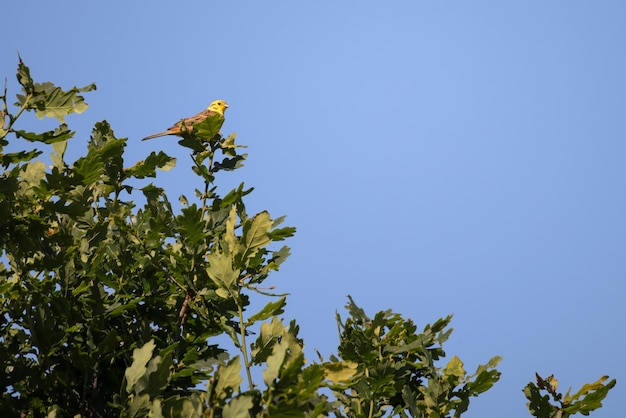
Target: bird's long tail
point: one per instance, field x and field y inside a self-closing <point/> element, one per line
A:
<point x="156" y="135"/>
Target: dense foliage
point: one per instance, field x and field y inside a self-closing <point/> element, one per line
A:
<point x="114" y="308"/>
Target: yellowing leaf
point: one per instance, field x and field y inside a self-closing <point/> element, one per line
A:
<point x="338" y="372"/>
<point x="588" y="387"/>
<point x="454" y="367"/>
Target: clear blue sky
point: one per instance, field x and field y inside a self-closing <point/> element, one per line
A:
<point x="461" y="157"/>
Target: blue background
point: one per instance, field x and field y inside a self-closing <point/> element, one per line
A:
<point x="436" y="157"/>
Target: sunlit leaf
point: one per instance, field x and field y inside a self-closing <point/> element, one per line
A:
<point x="228" y="378"/>
<point x="255" y="234"/>
<point x="239" y="407"/>
<point x="51" y="101"/>
<point x="141" y="357"/>
<point x="209" y="127"/>
<point x="220" y="269"/>
<point x="275" y="362"/>
<point x="585" y="389"/>
<point x="58" y="153"/>
<point x="338" y="372"/>
<point x="454" y="368"/>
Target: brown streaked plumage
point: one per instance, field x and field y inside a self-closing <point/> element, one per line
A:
<point x="218" y="107"/>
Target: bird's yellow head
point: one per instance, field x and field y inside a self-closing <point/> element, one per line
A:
<point x="218" y="106"/>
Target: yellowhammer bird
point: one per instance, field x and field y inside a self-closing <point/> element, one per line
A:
<point x="217" y="108"/>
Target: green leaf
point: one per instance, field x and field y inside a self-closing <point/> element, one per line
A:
<point x="275" y="362"/>
<point x="193" y="143"/>
<point x="58" y="153"/>
<point x="592" y="393"/>
<point x="188" y="408"/>
<point x="156" y="409"/>
<point x="588" y="387"/>
<point x="410" y="399"/>
<point x="209" y="127"/>
<point x="139" y="404"/>
<point x="229" y="142"/>
<point x="278" y="257"/>
<point x="148" y="167"/>
<point x="238" y="407"/>
<point x="61" y="133"/>
<point x="157" y="376"/>
<point x="255" y="234"/>
<point x="191" y="225"/>
<point x="483" y="382"/>
<point x="92" y="167"/>
<point x="268" y="336"/>
<point x="6" y="287"/>
<point x="141" y="357"/>
<point x="230" y="238"/>
<point x="17" y="157"/>
<point x="280" y="234"/>
<point x="271" y="309"/>
<point x="83" y="286"/>
<point x="101" y="134"/>
<point x="356" y="312"/>
<point x="119" y="308"/>
<point x="152" y="192"/>
<point x="228" y="378"/>
<point x="24" y="78"/>
<point x="51" y="101"/>
<point x="34" y="173"/>
<point x="230" y="164"/>
<point x="235" y="196"/>
<point x="538" y="405"/>
<point x="220" y="269"/>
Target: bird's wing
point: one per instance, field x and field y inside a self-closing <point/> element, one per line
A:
<point x="188" y="122"/>
<point x="198" y="118"/>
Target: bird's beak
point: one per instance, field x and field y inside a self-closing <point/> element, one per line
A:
<point x="226" y="105"/>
